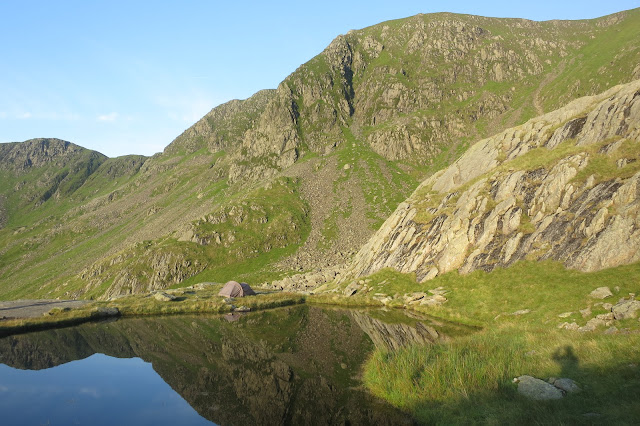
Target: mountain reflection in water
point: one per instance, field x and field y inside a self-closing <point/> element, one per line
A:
<point x="297" y="365"/>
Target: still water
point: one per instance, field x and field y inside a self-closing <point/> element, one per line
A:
<point x="298" y="365"/>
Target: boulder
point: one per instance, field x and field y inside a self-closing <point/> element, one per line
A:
<point x="537" y="389"/>
<point x="412" y="297"/>
<point x="601" y="293"/>
<point x="585" y="312"/>
<point x="164" y="297"/>
<point x="352" y="289"/>
<point x="592" y="324"/>
<point x="435" y="300"/>
<point x="567" y="385"/>
<point x="202" y="286"/>
<point x="626" y="309"/>
<point x="569" y="326"/>
<point x="439" y="291"/>
<point x="606" y="317"/>
<point x="105" y="312"/>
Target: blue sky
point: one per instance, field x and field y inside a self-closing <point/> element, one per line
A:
<point x="127" y="77"/>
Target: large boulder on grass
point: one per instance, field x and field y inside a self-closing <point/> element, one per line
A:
<point x="601" y="293"/>
<point x="626" y="309"/>
<point x="566" y="385"/>
<point x="537" y="389"/>
<point x="164" y="297"/>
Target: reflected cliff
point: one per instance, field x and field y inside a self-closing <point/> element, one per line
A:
<point x="298" y="365"/>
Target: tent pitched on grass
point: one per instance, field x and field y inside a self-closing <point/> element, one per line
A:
<point x="236" y="289"/>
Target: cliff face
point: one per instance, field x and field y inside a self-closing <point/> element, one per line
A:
<point x="563" y="186"/>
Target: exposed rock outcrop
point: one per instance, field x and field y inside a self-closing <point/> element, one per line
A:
<point x="531" y="192"/>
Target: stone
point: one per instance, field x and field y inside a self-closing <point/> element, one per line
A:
<point x="104" y="312"/>
<point x="431" y="274"/>
<point x="412" y="297"/>
<point x="567" y="385"/>
<point x="435" y="300"/>
<point x="242" y="309"/>
<point x="611" y="330"/>
<point x="626" y="309"/>
<point x="351" y="289"/>
<point x="202" y="286"/>
<point x="440" y="290"/>
<point x="565" y="315"/>
<point x="386" y="300"/>
<point x="606" y="317"/>
<point x="521" y="312"/>
<point x="537" y="389"/>
<point x="346" y="166"/>
<point x="164" y="297"/>
<point x="607" y="306"/>
<point x="591" y="325"/>
<point x="569" y="326"/>
<point x="601" y="293"/>
<point x="585" y="312"/>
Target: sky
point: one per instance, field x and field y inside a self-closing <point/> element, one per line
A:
<point x="127" y="77"/>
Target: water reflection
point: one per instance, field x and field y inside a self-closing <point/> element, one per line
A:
<point x="99" y="390"/>
<point x="299" y="365"/>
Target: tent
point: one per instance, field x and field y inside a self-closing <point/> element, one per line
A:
<point x="236" y="289"/>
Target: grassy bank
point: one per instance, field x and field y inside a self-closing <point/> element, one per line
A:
<point x="470" y="379"/>
<point x="204" y="301"/>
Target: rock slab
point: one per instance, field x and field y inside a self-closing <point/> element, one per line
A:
<point x="601" y="293"/>
<point x="537" y="389"/>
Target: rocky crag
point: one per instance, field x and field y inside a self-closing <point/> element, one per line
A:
<point x="344" y="139"/>
<point x="563" y="186"/>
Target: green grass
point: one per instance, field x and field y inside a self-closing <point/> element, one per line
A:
<point x="204" y="301"/>
<point x="469" y="379"/>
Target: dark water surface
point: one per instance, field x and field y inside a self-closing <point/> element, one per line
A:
<point x="298" y="365"/>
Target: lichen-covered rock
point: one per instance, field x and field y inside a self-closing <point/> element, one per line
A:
<point x="566" y="385"/>
<point x="475" y="215"/>
<point x="601" y="293"/>
<point x="537" y="389"/>
<point x="626" y="309"/>
<point x="592" y="325"/>
<point x="164" y="297"/>
<point x="105" y="311"/>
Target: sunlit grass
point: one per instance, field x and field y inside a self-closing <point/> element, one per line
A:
<point x="469" y="379"/>
<point x="198" y="302"/>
